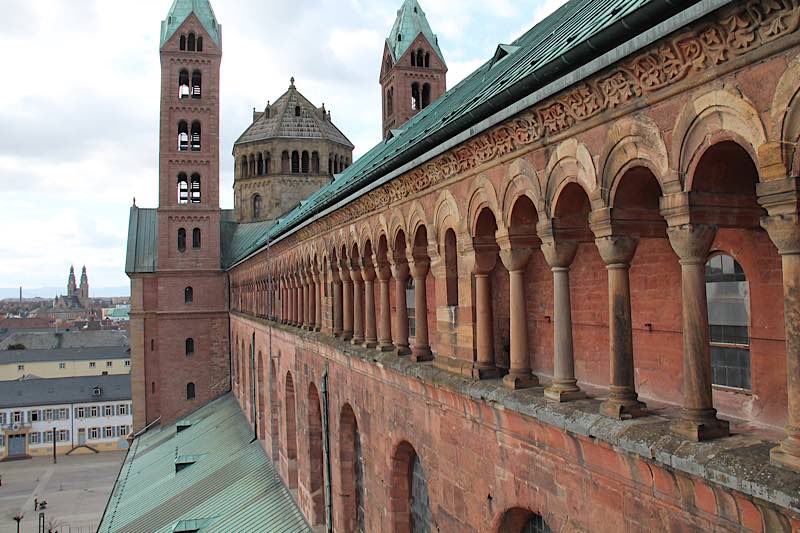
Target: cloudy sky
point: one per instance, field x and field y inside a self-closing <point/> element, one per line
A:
<point x="79" y="104"/>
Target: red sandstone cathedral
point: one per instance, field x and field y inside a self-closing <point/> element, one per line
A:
<point x="561" y="296"/>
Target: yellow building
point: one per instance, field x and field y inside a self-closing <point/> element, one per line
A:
<point x="64" y="362"/>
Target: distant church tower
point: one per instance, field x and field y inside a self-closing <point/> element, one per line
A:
<point x="84" y="291"/>
<point x="413" y="71"/>
<point x="72" y="286"/>
<point x="179" y="307"/>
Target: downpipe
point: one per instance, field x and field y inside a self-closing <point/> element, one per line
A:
<point x="326" y="448"/>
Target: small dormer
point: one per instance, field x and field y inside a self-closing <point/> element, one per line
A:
<point x="503" y="51"/>
<point x="185" y="461"/>
<point x="182" y="425"/>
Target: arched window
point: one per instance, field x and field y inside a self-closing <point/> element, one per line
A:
<point x="336" y="164"/>
<point x="196" y="189"/>
<point x="183" y="84"/>
<point x="182" y="240"/>
<point x="191" y="42"/>
<point x="267" y="163"/>
<point x="427" y="59"/>
<point x="197" y="84"/>
<point x="199" y="44"/>
<point x="190" y="391"/>
<point x="728" y="295"/>
<point x="196" y="238"/>
<point x="390" y="102"/>
<point x="297" y="111"/>
<point x="420" y="58"/>
<point x="252" y="170"/>
<point x="195" y="136"/>
<point x="305" y="162"/>
<point x="189" y="347"/>
<point x="183" y="136"/>
<point x="285" y="162"/>
<point x="188" y="295"/>
<point x="330" y="164"/>
<point x="295" y="162"/>
<point x="257" y="206"/>
<point x="183" y="189"/>
<point x="243" y="165"/>
<point x="183" y="42"/>
<point x="413" y="59"/>
<point x="416" y="97"/>
<point x="260" y="165"/>
<point x="426" y="95"/>
<point x="315" y="162"/>
<point x="451" y="267"/>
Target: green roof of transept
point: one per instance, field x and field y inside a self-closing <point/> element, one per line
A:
<point x="180" y="11"/>
<point x="410" y="22"/>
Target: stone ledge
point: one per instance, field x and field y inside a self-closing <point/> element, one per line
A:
<point x="738" y="462"/>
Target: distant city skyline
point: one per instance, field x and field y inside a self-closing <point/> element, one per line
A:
<point x="74" y="152"/>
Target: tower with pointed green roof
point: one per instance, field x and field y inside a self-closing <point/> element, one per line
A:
<point x="413" y="71"/>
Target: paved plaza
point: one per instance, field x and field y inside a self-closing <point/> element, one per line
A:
<point x="76" y="490"/>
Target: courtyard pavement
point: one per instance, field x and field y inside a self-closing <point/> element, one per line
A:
<point x="76" y="490"/>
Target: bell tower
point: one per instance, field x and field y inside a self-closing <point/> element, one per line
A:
<point x="413" y="71"/>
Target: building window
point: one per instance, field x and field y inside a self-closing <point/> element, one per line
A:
<point x="2" y="418"/>
<point x="416" y="97"/>
<point x="63" y="413"/>
<point x="122" y="409"/>
<point x="199" y="44"/>
<point x="108" y="432"/>
<point x="124" y="430"/>
<point x="34" y="438"/>
<point x="183" y="136"/>
<point x="197" y="83"/>
<point x="20" y="368"/>
<point x="196" y="196"/>
<point x="109" y="364"/>
<point x="190" y="391"/>
<point x="80" y="412"/>
<point x="728" y="297"/>
<point x="183" y="84"/>
<point x="127" y="362"/>
<point x="188" y="295"/>
<point x="189" y="347"/>
<point x="411" y="303"/>
<point x="257" y="206"/>
<point x="195" y="136"/>
<point x="94" y="433"/>
<point x="183" y="189"/>
<point x="182" y="45"/>
<point x="48" y="415"/>
<point x="426" y="95"/>
<point x="108" y="410"/>
<point x="191" y="43"/>
<point x="63" y="435"/>
<point x="94" y="412"/>
<point x="62" y="366"/>
<point x="33" y="416"/>
<point x="47" y="436"/>
<point x="196" y="239"/>
<point x="297" y="111"/>
<point x="390" y="102"/>
<point x="295" y="162"/>
<point x="92" y="364"/>
<point x="304" y="162"/>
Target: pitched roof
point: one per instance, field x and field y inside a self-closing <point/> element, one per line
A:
<point x="410" y="22"/>
<point x="64" y="354"/>
<point x="231" y="486"/>
<point x="280" y="120"/>
<point x="557" y="47"/>
<point x="142" y="250"/>
<point x="180" y="11"/>
<point x="55" y="391"/>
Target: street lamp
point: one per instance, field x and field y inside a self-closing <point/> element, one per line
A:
<point x="18" y="518"/>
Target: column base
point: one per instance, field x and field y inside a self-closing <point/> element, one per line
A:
<point x="561" y="393"/>
<point x="421" y="354"/>
<point x="485" y="371"/>
<point x="519" y="381"/>
<point x="346" y="336"/>
<point x="370" y="344"/>
<point x="386" y="347"/>
<point x="403" y="350"/>
<point x="700" y="431"/>
<point x="357" y="341"/>
<point x="779" y="456"/>
<point x="623" y="409"/>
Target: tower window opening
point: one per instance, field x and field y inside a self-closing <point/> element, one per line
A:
<point x="183" y="136"/>
<point x="191" y="42"/>
<point x="297" y="111"/>
<point x="182" y="45"/>
<point x="413" y="60"/>
<point x="257" y="206"/>
<point x="427" y="59"/>
<point x="305" y="162"/>
<point x="399" y="38"/>
<point x="285" y="162"/>
<point x="189" y="347"/>
<point x="199" y="44"/>
<point x="330" y="164"/>
<point x="188" y="295"/>
<point x="196" y="198"/>
<point x="195" y="136"/>
<point x="416" y="97"/>
<point x="315" y="162"/>
<point x="390" y="102"/>
<point x="183" y="189"/>
<point x="183" y="84"/>
<point x="267" y="163"/>
<point x="426" y="95"/>
<point x="197" y="84"/>
<point x="190" y="391"/>
<point x="295" y="162"/>
<point x="243" y="167"/>
<point x="260" y="165"/>
<point x="196" y="238"/>
<point x="420" y="58"/>
<point x="182" y="240"/>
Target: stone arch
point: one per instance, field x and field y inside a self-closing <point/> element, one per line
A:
<point x="445" y="215"/>
<point x="712" y="117"/>
<point x="571" y="162"/>
<point x="406" y="467"/>
<point x="351" y="471"/>
<point x="521" y="520"/>
<point x="521" y="180"/>
<point x="631" y="143"/>
<point x="417" y="218"/>
<point x="316" y="470"/>
<point x="365" y="235"/>
<point x="786" y="116"/>
<point x="261" y="400"/>
<point x="290" y="423"/>
<point x="482" y="194"/>
<point x="274" y="409"/>
<point x="396" y="224"/>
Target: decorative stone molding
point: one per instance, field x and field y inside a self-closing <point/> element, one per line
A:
<point x="692" y="242"/>
<point x="784" y="231"/>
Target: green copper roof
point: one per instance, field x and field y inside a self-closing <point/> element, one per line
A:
<point x="409" y="24"/>
<point x="142" y="255"/>
<point x="232" y="486"/>
<point x="180" y="11"/>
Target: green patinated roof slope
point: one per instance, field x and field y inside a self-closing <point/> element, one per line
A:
<point x="410" y="22"/>
<point x="231" y="486"/>
<point x="180" y="11"/>
<point x="142" y="254"/>
<point x="467" y="103"/>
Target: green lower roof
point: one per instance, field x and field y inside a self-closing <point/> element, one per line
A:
<point x="232" y="485"/>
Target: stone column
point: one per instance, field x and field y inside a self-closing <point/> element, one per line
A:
<point x="485" y="366"/>
<point x="312" y="301"/>
<point x="400" y="272"/>
<point x="421" y="351"/>
<point x="299" y="298"/>
<point x="559" y="255"/>
<point x="358" y="303"/>
<point x="306" y="299"/>
<point x="318" y="279"/>
<point x="699" y="421"/>
<point x="368" y="275"/>
<point x="347" y="301"/>
<point x="337" y="300"/>
<point x="784" y="231"/>
<point x="292" y="301"/>
<point x="623" y="403"/>
<point x="385" y="319"/>
<point x="515" y="258"/>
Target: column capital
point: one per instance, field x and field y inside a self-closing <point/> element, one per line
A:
<point x="383" y="271"/>
<point x="485" y="261"/>
<point x="368" y="272"/>
<point x="559" y="253"/>
<point x="419" y="267"/>
<point x="692" y="242"/>
<point x="617" y="249"/>
<point x="515" y="258"/>
<point x="784" y="231"/>
<point x="400" y="269"/>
